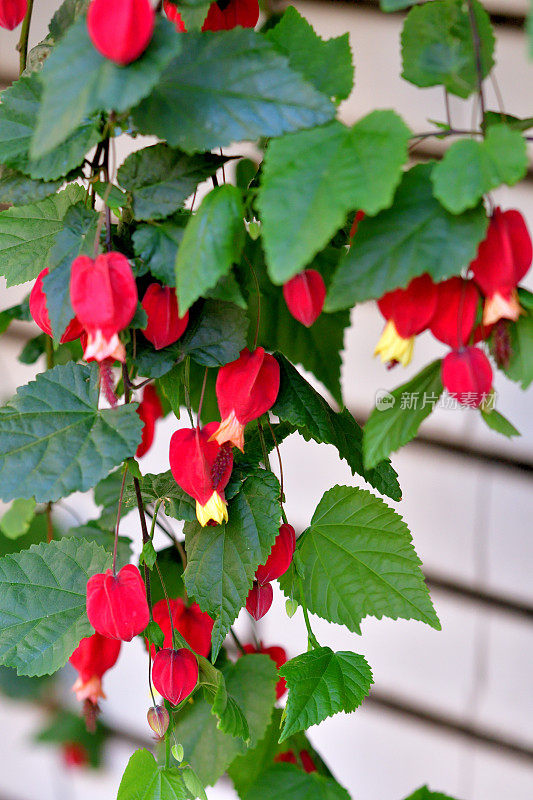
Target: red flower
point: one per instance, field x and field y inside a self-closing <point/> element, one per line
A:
<point x="246" y="388"/>
<point x="222" y="15"/>
<point x="121" y="30"/>
<point x="74" y="754"/>
<point x="278" y="656"/>
<point x="165" y="326"/>
<point x="467" y="375"/>
<point x="259" y="600"/>
<point x="409" y="312"/>
<point x="305" y="295"/>
<point x="39" y="312"/>
<point x="194" y="624"/>
<point x="175" y="674"/>
<point x="202" y="468"/>
<point x="116" y="605"/>
<point x="289" y="757"/>
<point x="280" y="556"/>
<point x="149" y="410"/>
<point x="503" y="259"/>
<point x="104" y="297"/>
<point x="174" y="16"/>
<point x="12" y="12"/>
<point x="455" y="315"/>
<point x="355" y="224"/>
<point x="91" y="659"/>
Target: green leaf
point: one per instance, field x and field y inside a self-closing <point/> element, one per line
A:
<point x="42" y="603"/>
<point x="76" y="237"/>
<point x="359" y="560"/>
<point x="177" y="503"/>
<point x="300" y="405"/>
<point x="222" y="560"/>
<point x="287" y="782"/>
<point x="17" y="519"/>
<point x="157" y="244"/>
<point x="327" y="65"/>
<point x="54" y="440"/>
<point x="193" y="783"/>
<point x="342" y="169"/>
<point x="160" y="179"/>
<point x="18" y="189"/>
<point x="399" y="414"/>
<point x="470" y="168"/>
<point x="212" y="241"/>
<point x="520" y="366"/>
<point x="231" y="719"/>
<point x="143" y="779"/>
<point x="322" y="683"/>
<point x="497" y="422"/>
<point x="438" y="46"/>
<point x="202" y="102"/>
<point x="27" y="234"/>
<point x="227" y="289"/>
<point x="67" y="726"/>
<point x="425" y="794"/>
<point x="170" y="385"/>
<point x="396" y="5"/>
<point x="148" y="555"/>
<point x="96" y="531"/>
<point x="79" y="82"/>
<point x="416" y="235"/>
<point x="111" y="195"/>
<point x="516" y="123"/>
<point x="66" y="16"/>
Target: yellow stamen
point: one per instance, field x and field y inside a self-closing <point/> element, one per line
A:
<point x="392" y="347"/>
<point x="215" y="509"/>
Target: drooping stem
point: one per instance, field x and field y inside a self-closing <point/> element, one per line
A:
<point x="167" y="601"/>
<point x="312" y="640"/>
<point x="145" y="538"/>
<point x="237" y="641"/>
<point x="186" y="389"/>
<point x="479" y="64"/>
<point x="266" y="460"/>
<point x="49" y="523"/>
<point x="200" y="404"/>
<point x="119" y="513"/>
<point x="22" y="46"/>
<point x="281" y="493"/>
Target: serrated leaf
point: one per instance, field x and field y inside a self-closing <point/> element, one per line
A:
<point x="227" y="289"/>
<point x="18" y="189"/>
<point x="497" y="422"/>
<point x="470" y="168"/>
<point x="143" y="779"/>
<point x="42" y="603"/>
<point x="396" y="5"/>
<point x="302" y="406"/>
<point x="399" y="414"/>
<point x="177" y="503"/>
<point x="516" y="123"/>
<point x="342" y="168"/>
<point x="66" y="16"/>
<point x="359" y="560"/>
<point x="221" y="561"/>
<point x="414" y="236"/>
<point x="287" y="782"/>
<point x="322" y="683"/>
<point x="17" y="519"/>
<point x="202" y="100"/>
<point x="27" y="234"/>
<point x="231" y="719"/>
<point x="157" y="244"/>
<point x="54" y="440"/>
<point x="78" y="82"/>
<point x="424" y="793"/>
<point x="96" y="531"/>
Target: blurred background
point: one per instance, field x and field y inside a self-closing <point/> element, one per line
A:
<point x="451" y="709"/>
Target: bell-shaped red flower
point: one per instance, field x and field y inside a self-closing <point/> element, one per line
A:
<point x="116" y="604"/>
<point x="91" y="659"/>
<point x="289" y="757"/>
<point x="39" y="312"/>
<point x="104" y="298"/>
<point x="278" y="656"/>
<point x="194" y="624"/>
<point x="245" y="389"/>
<point x="149" y="410"/>
<point x="455" y="315"/>
<point x="12" y="12"/>
<point x="305" y="295"/>
<point x="165" y="326"/>
<point x="121" y="30"/>
<point x="259" y="600"/>
<point x="175" y="674"/>
<point x="222" y="15"/>
<point x="280" y="556"/>
<point x="467" y="375"/>
<point x="202" y="468"/>
<point x="409" y="312"/>
<point x="503" y="258"/>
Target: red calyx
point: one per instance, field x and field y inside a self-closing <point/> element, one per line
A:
<point x="12" y="12"/>
<point x="149" y="410"/>
<point x="116" y="605"/>
<point x="412" y="308"/>
<point x="305" y="295"/>
<point x="280" y="556"/>
<point x="455" y="315"/>
<point x="467" y="375"/>
<point x="194" y="624"/>
<point x="278" y="656"/>
<point x="175" y="674"/>
<point x="74" y="754"/>
<point x="121" y="30"/>
<point x="259" y="600"/>
<point x="289" y="757"/>
<point x="165" y="326"/>
<point x="91" y="659"/>
<point x="39" y="312"/>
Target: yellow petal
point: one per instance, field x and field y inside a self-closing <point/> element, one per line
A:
<point x="392" y="347"/>
<point x="215" y="509"/>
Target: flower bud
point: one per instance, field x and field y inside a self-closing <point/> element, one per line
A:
<point x="194" y="624"/>
<point x="121" y="30"/>
<point x="175" y="674"/>
<point x="305" y="295"/>
<point x="165" y="326"/>
<point x="12" y="12"/>
<point x="409" y="312"/>
<point x="91" y="659"/>
<point x="116" y="605"/>
<point x="259" y="600"/>
<point x="280" y="556"/>
<point x="455" y="314"/>
<point x="278" y="656"/>
<point x="39" y="312"/>
<point x="467" y="375"/>
<point x="149" y="410"/>
<point x="159" y="720"/>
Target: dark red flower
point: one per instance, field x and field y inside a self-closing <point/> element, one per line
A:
<point x="222" y="15"/>
<point x="503" y="258"/>
<point x="165" y="326"/>
<point x="91" y="659"/>
<point x="74" y="754"/>
<point x="305" y="295"/>
<point x="259" y="600"/>
<point x="39" y="312"/>
<point x="455" y="315"/>
<point x="280" y="556"/>
<point x="175" y="674"/>
<point x="278" y="656"/>
<point x="202" y="468"/>
<point x="355" y="224"/>
<point x="289" y="757"/>
<point x="104" y="298"/>
<point x="246" y="388"/>
<point x="467" y="375"/>
<point x="121" y="30"/>
<point x="116" y="605"/>
<point x="149" y="410"/>
<point x="174" y="16"/>
<point x="12" y="12"/>
<point x="409" y="312"/>
<point x="194" y="624"/>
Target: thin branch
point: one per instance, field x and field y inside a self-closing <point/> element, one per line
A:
<point x="119" y="514"/>
<point x="479" y="64"/>
<point x="22" y="46"/>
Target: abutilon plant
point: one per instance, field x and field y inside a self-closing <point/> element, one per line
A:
<point x="467" y="375"/>
<point x="12" y="12"/>
<point x="259" y="600"/>
<point x="189" y="620"/>
<point x="455" y="314"/>
<point x="149" y="410"/>
<point x="121" y="30"/>
<point x="280" y="558"/>
<point x="278" y="656"/>
<point x="408" y="312"/>
<point x="175" y="674"/>
<point x="223" y="15"/>
<point x="305" y="295"/>
<point x="117" y="605"/>
<point x="165" y="326"/>
<point x="39" y="312"/>
<point x="92" y="658"/>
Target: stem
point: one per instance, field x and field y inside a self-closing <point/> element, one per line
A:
<point x="119" y="512"/>
<point x="479" y="65"/>
<point x="49" y="525"/>
<point x="168" y="602"/>
<point x="237" y="641"/>
<point x="447" y="106"/>
<point x="223" y="169"/>
<point x="186" y="385"/>
<point x="312" y="641"/>
<point x="258" y="290"/>
<point x="168" y="736"/>
<point x="281" y="493"/>
<point x="200" y="404"/>
<point x="146" y="538"/>
<point x="22" y="46"/>
<point x="266" y="460"/>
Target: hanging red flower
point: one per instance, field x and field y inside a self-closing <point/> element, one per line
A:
<point x="91" y="659"/>
<point x="280" y="556"/>
<point x="39" y="312"/>
<point x="194" y="624"/>
<point x="222" y="15"/>
<point x="175" y="674"/>
<point x="467" y="375"/>
<point x="289" y="757"/>
<point x="149" y="410"/>
<point x="305" y="295"/>
<point x="259" y="600"/>
<point x="455" y="315"/>
<point x="12" y="12"/>
<point x="278" y="656"/>
<point x="165" y="326"/>
<point x="121" y="30"/>
<point x="74" y="754"/>
<point x="409" y="312"/>
<point x="116" y="604"/>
